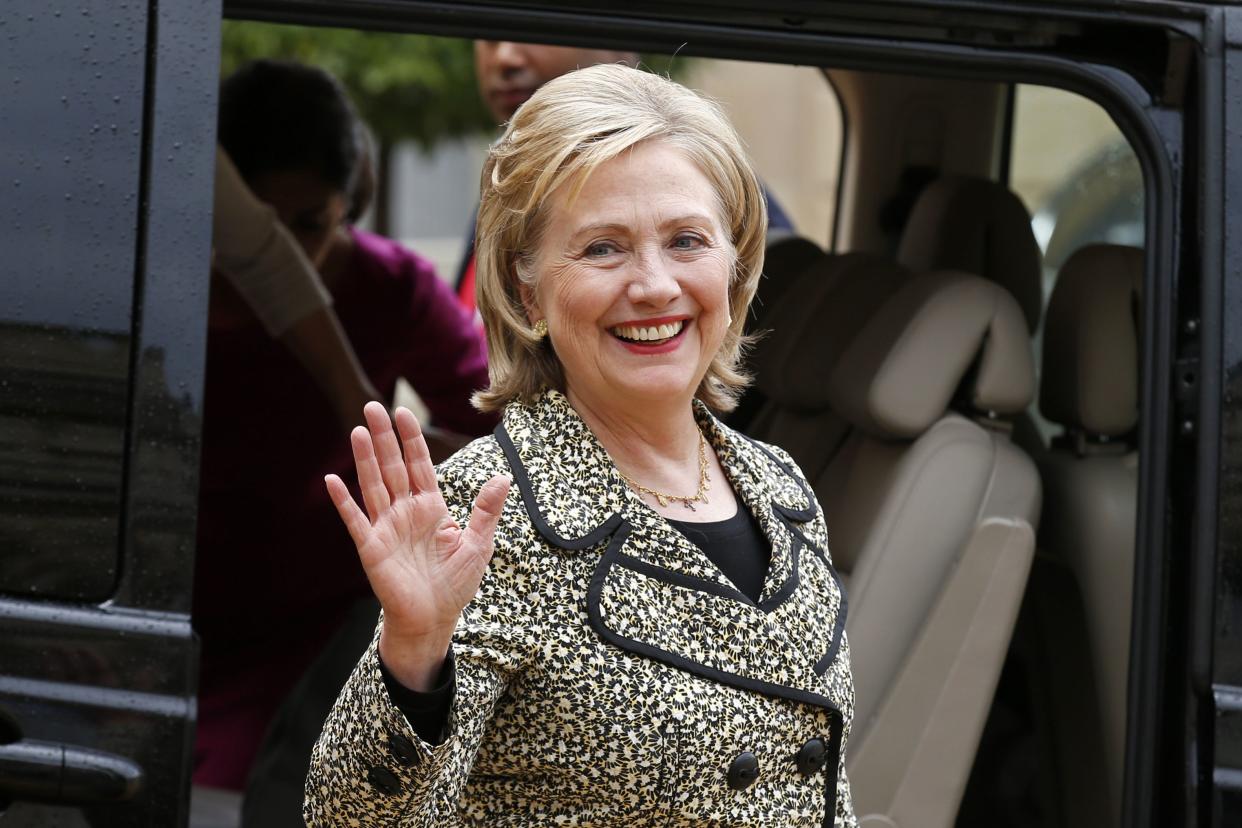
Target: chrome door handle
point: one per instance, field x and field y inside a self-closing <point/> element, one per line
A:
<point x="55" y="772"/>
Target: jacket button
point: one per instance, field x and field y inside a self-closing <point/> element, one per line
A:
<point x="384" y="780"/>
<point x="743" y="771"/>
<point x="402" y="748"/>
<point x="810" y="757"/>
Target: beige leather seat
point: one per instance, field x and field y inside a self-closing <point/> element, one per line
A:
<point x="976" y="226"/>
<point x="980" y="226"/>
<point x="929" y="510"/>
<point x="807" y="332"/>
<point x="1090" y="387"/>
<point x="785" y="261"/>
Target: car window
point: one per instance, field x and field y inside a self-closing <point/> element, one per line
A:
<point x="66" y="296"/>
<point x="790" y="118"/>
<point x="1080" y="180"/>
<point x="795" y="140"/>
<point x="1075" y="172"/>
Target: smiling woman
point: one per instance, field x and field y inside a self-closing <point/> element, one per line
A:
<point x="649" y="630"/>
<point x="633" y="279"/>
<point x="543" y="179"/>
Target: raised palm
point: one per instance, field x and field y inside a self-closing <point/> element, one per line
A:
<point x="422" y="566"/>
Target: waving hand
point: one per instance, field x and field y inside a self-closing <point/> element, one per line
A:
<point x="422" y="566"/>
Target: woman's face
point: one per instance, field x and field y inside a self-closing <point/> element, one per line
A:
<point x="311" y="208"/>
<point x="633" y="279"/>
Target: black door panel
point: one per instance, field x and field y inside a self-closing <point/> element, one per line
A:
<point x="106" y="160"/>
<point x="70" y="167"/>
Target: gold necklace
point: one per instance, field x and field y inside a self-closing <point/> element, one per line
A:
<point x="663" y="498"/>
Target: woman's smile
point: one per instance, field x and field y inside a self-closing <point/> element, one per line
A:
<point x="652" y="336"/>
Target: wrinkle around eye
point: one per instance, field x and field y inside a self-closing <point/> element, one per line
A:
<point x="609" y="249"/>
<point x="697" y="242"/>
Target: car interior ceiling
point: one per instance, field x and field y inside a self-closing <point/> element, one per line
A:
<point x="900" y="372"/>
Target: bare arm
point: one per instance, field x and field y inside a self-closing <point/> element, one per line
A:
<point x="320" y="344"/>
<point x="269" y="269"/>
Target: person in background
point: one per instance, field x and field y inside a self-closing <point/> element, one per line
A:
<point x="272" y="274"/>
<point x="508" y="73"/>
<point x="275" y="573"/>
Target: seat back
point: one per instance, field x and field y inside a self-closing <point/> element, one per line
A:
<point x="980" y="227"/>
<point x="891" y="391"/>
<point x="808" y="331"/>
<point x="785" y="260"/>
<point x="1090" y="387"/>
<point x="931" y="506"/>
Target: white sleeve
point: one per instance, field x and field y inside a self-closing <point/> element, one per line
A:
<point x="259" y="256"/>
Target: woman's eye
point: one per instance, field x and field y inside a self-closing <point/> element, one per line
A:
<point x="687" y="242"/>
<point x="600" y="249"/>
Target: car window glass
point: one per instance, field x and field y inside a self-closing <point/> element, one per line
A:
<point x="790" y="119"/>
<point x="1080" y="180"/>
<point x="1075" y="172"/>
<point x="69" y="171"/>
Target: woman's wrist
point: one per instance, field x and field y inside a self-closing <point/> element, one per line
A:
<point x="414" y="661"/>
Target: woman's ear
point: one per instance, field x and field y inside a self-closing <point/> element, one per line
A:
<point x="526" y="295"/>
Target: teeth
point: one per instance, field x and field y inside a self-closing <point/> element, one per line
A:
<point x="652" y="333"/>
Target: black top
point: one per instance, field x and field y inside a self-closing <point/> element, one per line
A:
<point x="736" y="545"/>
<point x="426" y="712"/>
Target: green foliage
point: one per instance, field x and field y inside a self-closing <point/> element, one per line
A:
<point x="407" y="87"/>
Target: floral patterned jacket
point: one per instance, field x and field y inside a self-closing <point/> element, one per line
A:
<point x="608" y="674"/>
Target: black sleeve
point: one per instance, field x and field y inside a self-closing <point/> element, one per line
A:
<point x="426" y="712"/>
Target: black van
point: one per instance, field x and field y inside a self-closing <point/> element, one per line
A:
<point x="1132" y="609"/>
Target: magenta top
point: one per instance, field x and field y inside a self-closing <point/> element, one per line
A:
<point x="275" y="569"/>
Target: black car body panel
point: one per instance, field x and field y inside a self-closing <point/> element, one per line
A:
<point x="107" y="160"/>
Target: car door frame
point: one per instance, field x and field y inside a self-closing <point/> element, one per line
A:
<point x="1171" y="707"/>
<point x="144" y="624"/>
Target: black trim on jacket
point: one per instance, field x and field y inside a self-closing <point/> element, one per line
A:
<point x="616" y="529"/>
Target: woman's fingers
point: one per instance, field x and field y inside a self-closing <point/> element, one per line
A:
<point x="355" y="521"/>
<point x="488" y="505"/>
<point x="374" y="492"/>
<point x="417" y="459"/>
<point x="387" y="451"/>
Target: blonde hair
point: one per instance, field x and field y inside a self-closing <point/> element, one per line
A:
<point x="570" y="126"/>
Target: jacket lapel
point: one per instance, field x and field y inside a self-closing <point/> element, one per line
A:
<point x="576" y="498"/>
<point x="654" y="591"/>
<point x="655" y="594"/>
<point x="771" y="493"/>
<point x="569" y="486"/>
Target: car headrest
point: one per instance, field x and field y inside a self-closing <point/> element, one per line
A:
<point x="945" y="338"/>
<point x="814" y="321"/>
<point x="1091" y="341"/>
<point x="783" y="261"/>
<point x="980" y="227"/>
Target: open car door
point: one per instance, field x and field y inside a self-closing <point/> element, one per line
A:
<point x="105" y="235"/>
